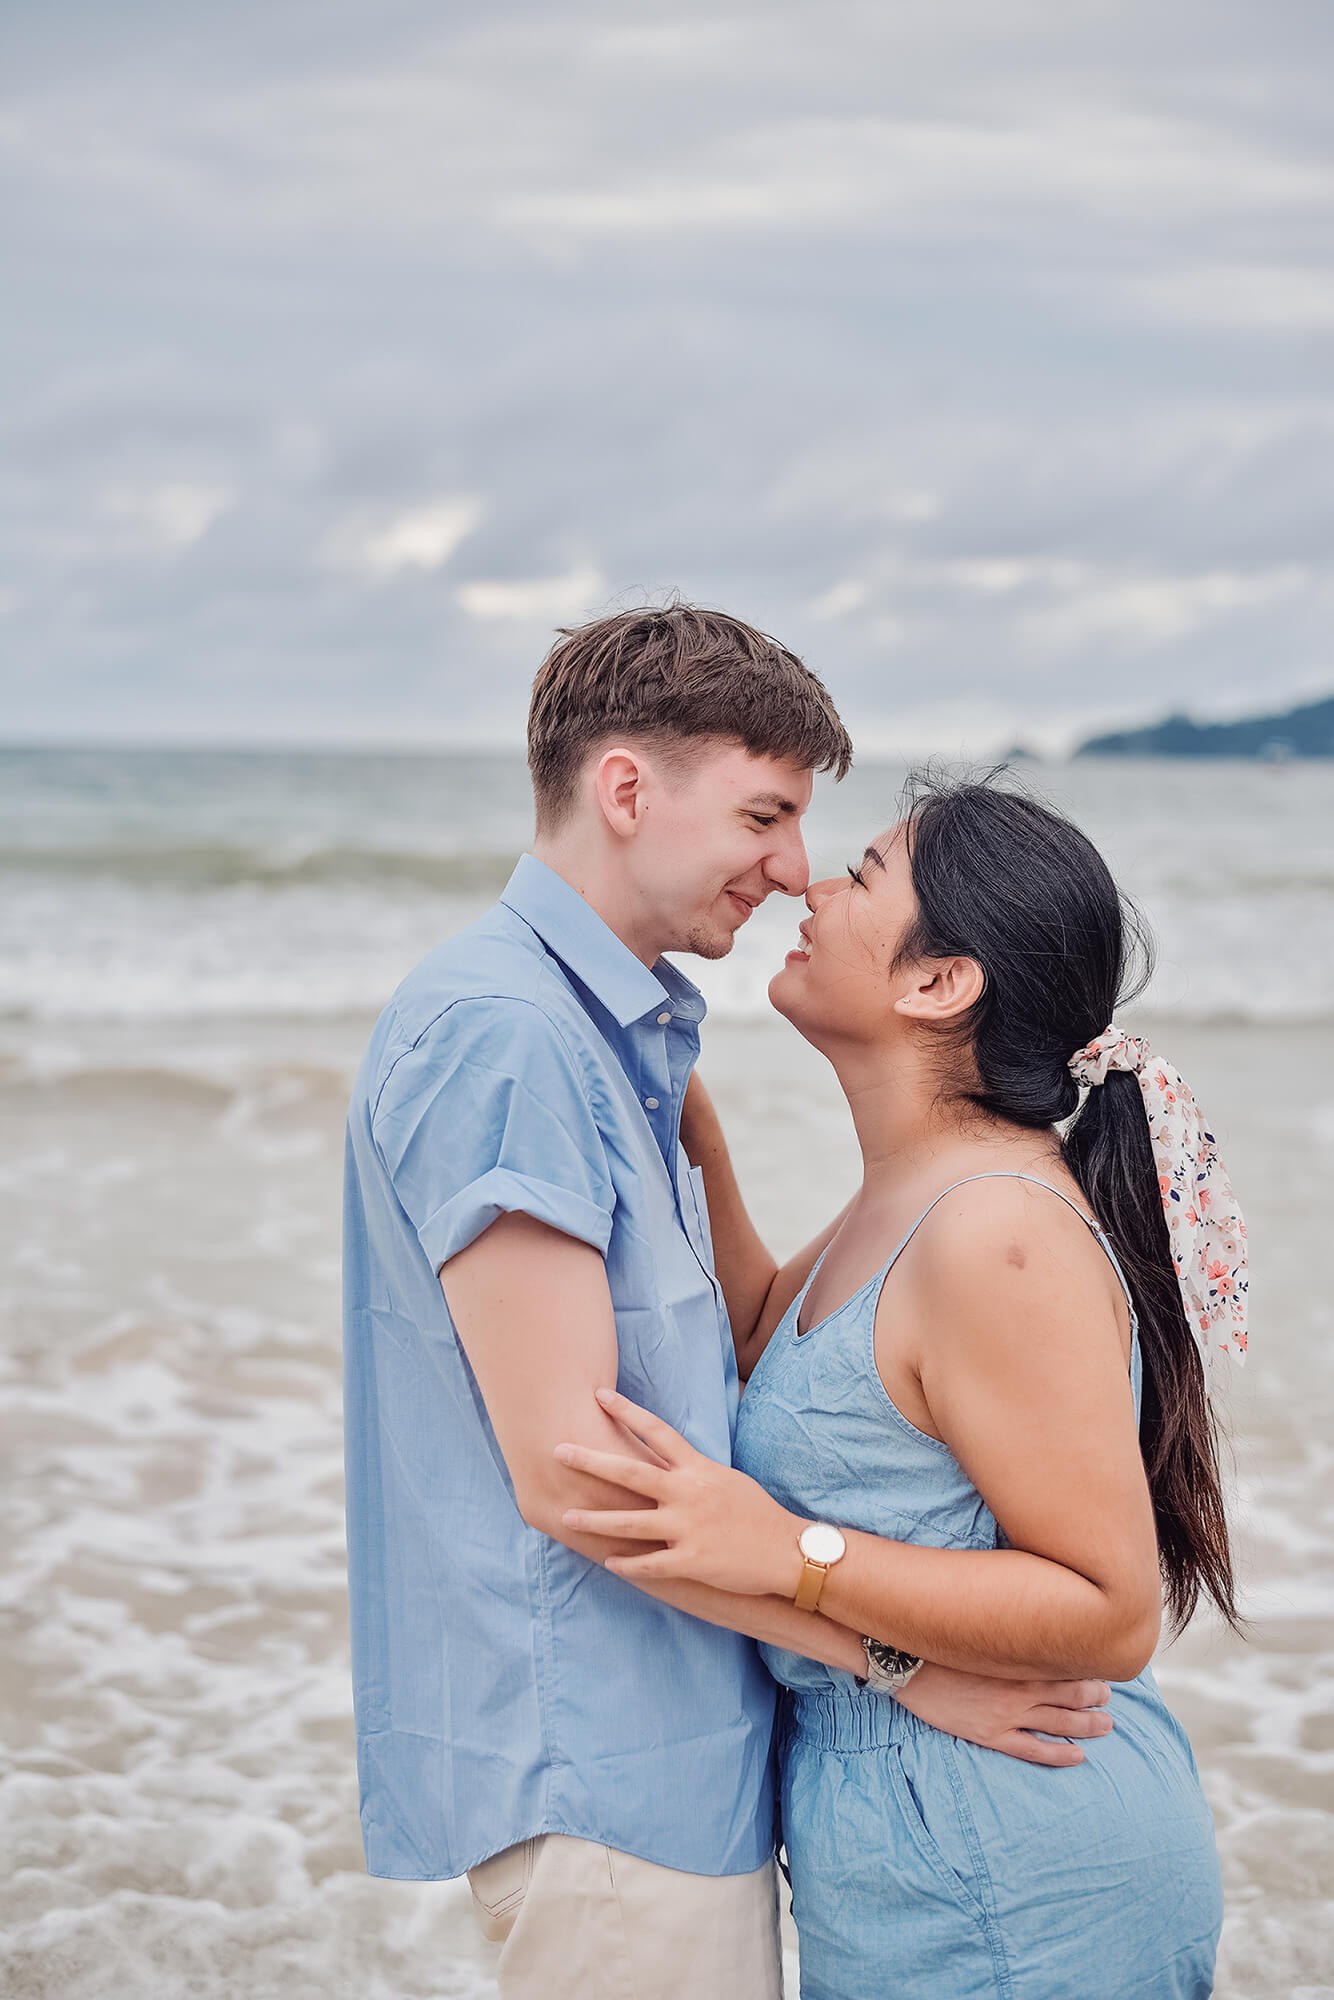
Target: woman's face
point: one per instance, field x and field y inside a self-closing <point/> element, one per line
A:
<point x="837" y="986"/>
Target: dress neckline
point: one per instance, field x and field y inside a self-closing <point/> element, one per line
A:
<point x="804" y="1333"/>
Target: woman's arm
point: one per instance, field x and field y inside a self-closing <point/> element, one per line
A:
<point x="757" y="1289"/>
<point x="1024" y="1375"/>
<point x="1009" y="1325"/>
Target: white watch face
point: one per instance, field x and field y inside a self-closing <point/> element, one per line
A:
<point x="822" y="1544"/>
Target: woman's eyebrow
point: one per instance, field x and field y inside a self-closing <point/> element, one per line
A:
<point x="874" y="856"/>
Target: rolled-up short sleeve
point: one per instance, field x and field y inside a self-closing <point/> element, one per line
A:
<point x="486" y="1115"/>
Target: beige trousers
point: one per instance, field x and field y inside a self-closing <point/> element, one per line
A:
<point x="579" y="1920"/>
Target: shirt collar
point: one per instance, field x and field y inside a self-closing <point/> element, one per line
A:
<point x="578" y="937"/>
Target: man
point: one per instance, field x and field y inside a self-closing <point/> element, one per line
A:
<point x="523" y="1227"/>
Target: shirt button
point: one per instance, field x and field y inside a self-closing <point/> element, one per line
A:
<point x="663" y="1019"/>
<point x="651" y="1103"/>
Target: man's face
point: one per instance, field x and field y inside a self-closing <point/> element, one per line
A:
<point x="717" y="838"/>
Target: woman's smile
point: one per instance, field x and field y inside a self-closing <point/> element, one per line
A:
<point x="800" y="953"/>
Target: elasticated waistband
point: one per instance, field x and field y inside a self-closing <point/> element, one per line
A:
<point x="845" y="1721"/>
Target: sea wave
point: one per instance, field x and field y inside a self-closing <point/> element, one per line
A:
<point x="219" y="864"/>
<point x="151" y="890"/>
<point x="299" y="949"/>
<point x="245" y="1069"/>
<point x="152" y="1004"/>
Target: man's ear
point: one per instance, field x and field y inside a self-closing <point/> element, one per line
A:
<point x="942" y="989"/>
<point x="618" y="786"/>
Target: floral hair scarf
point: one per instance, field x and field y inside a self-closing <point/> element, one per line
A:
<point x="1205" y="1226"/>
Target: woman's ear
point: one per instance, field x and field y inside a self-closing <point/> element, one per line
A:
<point x="942" y="989"/>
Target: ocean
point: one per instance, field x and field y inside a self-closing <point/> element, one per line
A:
<point x="193" y="947"/>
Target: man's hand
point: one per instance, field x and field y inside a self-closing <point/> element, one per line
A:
<point x="1000" y="1715"/>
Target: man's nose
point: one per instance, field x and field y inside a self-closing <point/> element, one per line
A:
<point x="787" y="868"/>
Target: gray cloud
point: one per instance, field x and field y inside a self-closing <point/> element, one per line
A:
<point x="982" y="354"/>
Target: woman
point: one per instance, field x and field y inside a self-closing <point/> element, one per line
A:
<point x="987" y="1373"/>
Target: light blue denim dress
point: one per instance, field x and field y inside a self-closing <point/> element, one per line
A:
<point x="922" y="1867"/>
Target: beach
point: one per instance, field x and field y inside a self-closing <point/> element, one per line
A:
<point x="193" y="948"/>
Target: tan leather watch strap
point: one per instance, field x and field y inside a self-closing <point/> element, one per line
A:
<point x="812" y="1582"/>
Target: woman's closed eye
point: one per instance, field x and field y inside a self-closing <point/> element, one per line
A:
<point x="857" y="876"/>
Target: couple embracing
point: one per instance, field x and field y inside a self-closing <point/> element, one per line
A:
<point x="662" y="1553"/>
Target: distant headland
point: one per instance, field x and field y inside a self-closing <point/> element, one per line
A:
<point x="1299" y="732"/>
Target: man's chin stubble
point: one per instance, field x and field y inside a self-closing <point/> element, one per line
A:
<point x="709" y="944"/>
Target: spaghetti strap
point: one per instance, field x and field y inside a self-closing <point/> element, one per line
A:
<point x="1095" y="1228"/>
<point x="878" y="1278"/>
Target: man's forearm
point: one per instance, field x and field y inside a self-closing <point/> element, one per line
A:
<point x="774" y="1620"/>
<point x="998" y="1714"/>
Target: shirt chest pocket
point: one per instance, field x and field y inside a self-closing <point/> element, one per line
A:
<point x="667" y="1322"/>
<point x="681" y="1263"/>
<point x="666" y="1242"/>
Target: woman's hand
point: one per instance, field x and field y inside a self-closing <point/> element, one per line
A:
<point x="719" y="1526"/>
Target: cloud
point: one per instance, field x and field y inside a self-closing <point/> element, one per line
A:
<point x="539" y="600"/>
<point x="1257" y="297"/>
<point x="171" y="515"/>
<point x="772" y="122"/>
<point x="942" y="343"/>
<point x="1000" y="576"/>
<point x="976" y="726"/>
<point x="850" y="594"/>
<point x="1049" y="608"/>
<point x="423" y="537"/>
<point x="794" y="175"/>
<point x="1154" y="611"/>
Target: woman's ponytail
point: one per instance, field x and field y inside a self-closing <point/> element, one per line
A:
<point x="1106" y="1148"/>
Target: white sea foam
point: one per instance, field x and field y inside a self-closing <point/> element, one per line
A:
<point x="106" y="950"/>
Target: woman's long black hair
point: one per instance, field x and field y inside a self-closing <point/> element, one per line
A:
<point x="1004" y="880"/>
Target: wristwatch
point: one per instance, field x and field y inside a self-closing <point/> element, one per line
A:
<point x="887" y="1668"/>
<point x="822" y="1547"/>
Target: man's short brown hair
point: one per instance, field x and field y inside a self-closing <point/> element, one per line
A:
<point x="675" y="673"/>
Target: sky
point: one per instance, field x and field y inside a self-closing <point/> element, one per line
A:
<point x="980" y="350"/>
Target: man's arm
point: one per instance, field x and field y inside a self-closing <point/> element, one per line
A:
<point x="533" y="1310"/>
<point x="534" y="1313"/>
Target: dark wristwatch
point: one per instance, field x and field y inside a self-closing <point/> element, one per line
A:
<point x="887" y="1668"/>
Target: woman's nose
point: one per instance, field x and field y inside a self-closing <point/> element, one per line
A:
<point x="820" y="892"/>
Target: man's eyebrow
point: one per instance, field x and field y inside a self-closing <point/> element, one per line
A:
<point x="873" y="855"/>
<point x="769" y="802"/>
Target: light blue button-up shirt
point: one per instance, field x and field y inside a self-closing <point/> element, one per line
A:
<point x="505" y="1686"/>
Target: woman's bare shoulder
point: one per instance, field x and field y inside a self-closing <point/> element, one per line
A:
<point x="1007" y="1239"/>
